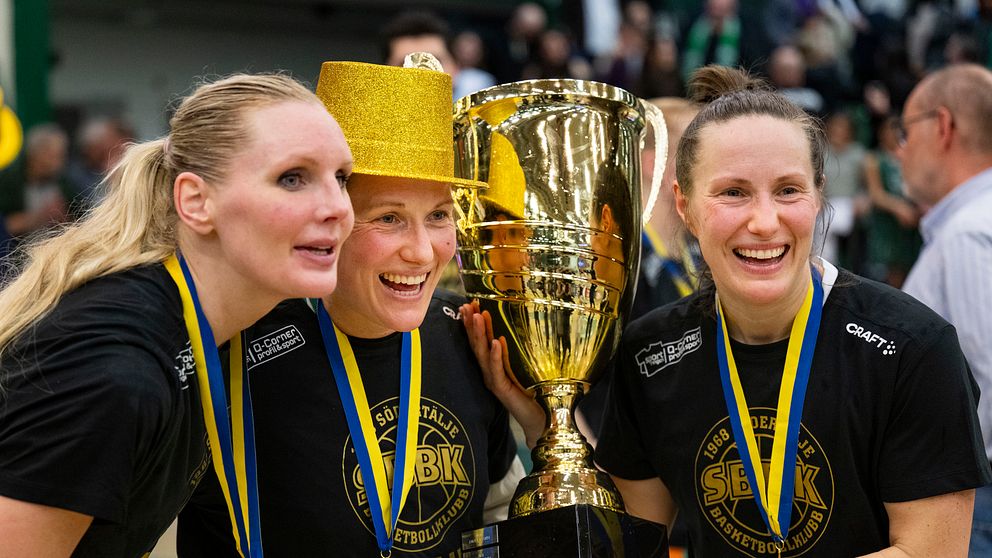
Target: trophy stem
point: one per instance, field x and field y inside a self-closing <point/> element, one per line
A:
<point x="564" y="474"/>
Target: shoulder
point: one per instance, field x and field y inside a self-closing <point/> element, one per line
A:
<point x="671" y="319"/>
<point x="869" y="309"/>
<point x="118" y="341"/>
<point x="446" y="303"/>
<point x="296" y="311"/>
<point x="143" y="297"/>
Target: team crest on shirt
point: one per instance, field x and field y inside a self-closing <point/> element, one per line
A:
<point x="725" y="498"/>
<point x="444" y="476"/>
<point x="658" y="356"/>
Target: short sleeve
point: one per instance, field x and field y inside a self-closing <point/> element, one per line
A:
<point x="74" y="427"/>
<point x="619" y="450"/>
<point x="932" y="442"/>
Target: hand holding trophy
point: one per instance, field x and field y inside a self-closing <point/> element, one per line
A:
<point x="551" y="250"/>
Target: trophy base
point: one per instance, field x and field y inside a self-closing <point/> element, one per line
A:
<point x="579" y="531"/>
<point x="543" y="491"/>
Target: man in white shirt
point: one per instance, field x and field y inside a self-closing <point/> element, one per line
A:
<point x="946" y="153"/>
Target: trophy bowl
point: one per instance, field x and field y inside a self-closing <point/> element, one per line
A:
<point x="551" y="250"/>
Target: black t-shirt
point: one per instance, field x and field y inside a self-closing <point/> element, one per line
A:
<point x="311" y="498"/>
<point x="889" y="416"/>
<point x="100" y="414"/>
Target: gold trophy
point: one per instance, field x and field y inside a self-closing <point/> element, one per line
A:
<point x="551" y="249"/>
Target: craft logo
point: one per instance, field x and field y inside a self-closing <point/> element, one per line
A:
<point x="450" y="312"/>
<point x="888" y="347"/>
<point x="725" y="497"/>
<point x="443" y="480"/>
<point x="658" y="356"/>
<point x="274" y="344"/>
<point x="185" y="366"/>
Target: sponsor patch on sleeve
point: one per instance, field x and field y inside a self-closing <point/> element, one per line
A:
<point x="658" y="356"/>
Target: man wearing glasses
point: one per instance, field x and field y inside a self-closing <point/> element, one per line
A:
<point x="946" y="154"/>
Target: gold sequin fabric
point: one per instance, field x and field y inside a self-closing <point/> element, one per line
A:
<point x="398" y="121"/>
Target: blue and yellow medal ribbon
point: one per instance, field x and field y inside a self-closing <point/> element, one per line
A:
<point x="676" y="268"/>
<point x="232" y="446"/>
<point x="774" y="499"/>
<point x="385" y="508"/>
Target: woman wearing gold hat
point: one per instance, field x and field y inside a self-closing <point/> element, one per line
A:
<point x="110" y="378"/>
<point x="374" y="431"/>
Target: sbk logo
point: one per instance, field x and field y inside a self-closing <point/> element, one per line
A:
<point x="657" y="356"/>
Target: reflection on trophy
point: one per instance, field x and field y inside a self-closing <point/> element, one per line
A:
<point x="551" y="250"/>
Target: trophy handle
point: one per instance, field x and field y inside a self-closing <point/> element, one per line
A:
<point x="657" y="120"/>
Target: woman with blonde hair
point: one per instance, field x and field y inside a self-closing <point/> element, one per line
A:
<point x="109" y="334"/>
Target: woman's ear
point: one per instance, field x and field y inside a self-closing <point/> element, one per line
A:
<point x="191" y="197"/>
<point x="681" y="206"/>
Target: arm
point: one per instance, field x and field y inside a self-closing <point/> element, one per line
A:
<point x="35" y="531"/>
<point x="494" y="361"/>
<point x="647" y="499"/>
<point x="935" y="526"/>
<point x="902" y="210"/>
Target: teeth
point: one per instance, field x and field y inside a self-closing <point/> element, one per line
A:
<point x="405" y="279"/>
<point x="761" y="254"/>
<point x="323" y="250"/>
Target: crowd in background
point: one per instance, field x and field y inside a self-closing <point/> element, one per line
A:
<point x="850" y="62"/>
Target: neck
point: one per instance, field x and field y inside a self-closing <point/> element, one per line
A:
<point x="228" y="303"/>
<point x="351" y="322"/>
<point x="966" y="166"/>
<point x="766" y="323"/>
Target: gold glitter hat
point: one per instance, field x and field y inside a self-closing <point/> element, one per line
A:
<point x="11" y="134"/>
<point x="398" y="121"/>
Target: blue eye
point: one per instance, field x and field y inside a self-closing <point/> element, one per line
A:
<point x="388" y="219"/>
<point x="440" y="215"/>
<point x="291" y="180"/>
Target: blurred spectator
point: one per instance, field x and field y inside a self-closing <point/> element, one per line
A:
<point x="981" y="30"/>
<point x="825" y="38"/>
<point x="101" y="141"/>
<point x="624" y="66"/>
<point x="556" y="59"/>
<point x="32" y="189"/>
<point x="714" y="38"/>
<point x="928" y="30"/>
<point x="593" y="25"/>
<point x="787" y="70"/>
<point x="961" y="48"/>
<point x="523" y="32"/>
<point x="893" y="241"/>
<point x="469" y="54"/>
<point x="424" y="32"/>
<point x="845" y="191"/>
<point x="661" y="76"/>
<point x="640" y="16"/>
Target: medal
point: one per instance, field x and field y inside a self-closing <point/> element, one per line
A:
<point x="774" y="498"/>
<point x="385" y="507"/>
<point x="232" y="446"/>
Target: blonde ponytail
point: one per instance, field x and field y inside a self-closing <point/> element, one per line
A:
<point x="136" y="222"/>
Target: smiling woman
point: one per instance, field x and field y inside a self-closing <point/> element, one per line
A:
<point x="110" y="377"/>
<point x="787" y="407"/>
<point x="828" y="436"/>
<point x="374" y="430"/>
